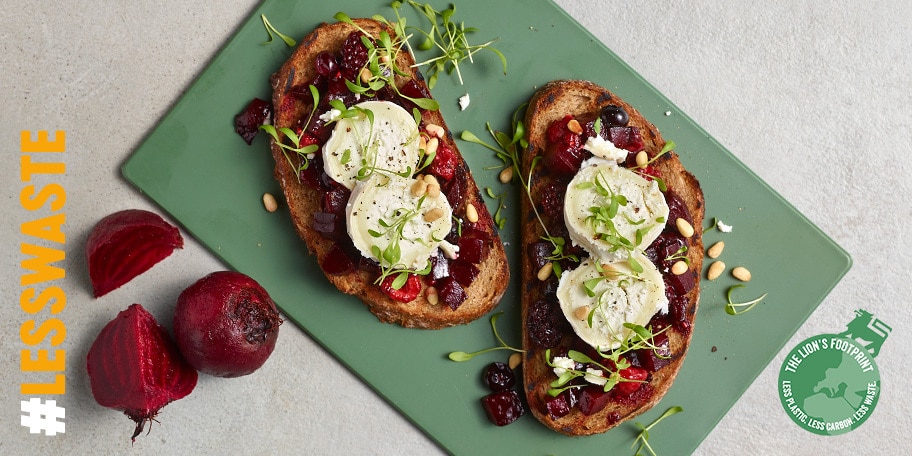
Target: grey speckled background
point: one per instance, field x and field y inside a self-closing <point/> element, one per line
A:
<point x="814" y="97"/>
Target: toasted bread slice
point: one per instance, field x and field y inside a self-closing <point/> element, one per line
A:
<point x="483" y="294"/>
<point x="580" y="99"/>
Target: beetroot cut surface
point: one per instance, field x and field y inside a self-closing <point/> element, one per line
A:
<point x="125" y="244"/>
<point x="135" y="367"/>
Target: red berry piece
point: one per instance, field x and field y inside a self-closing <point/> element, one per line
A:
<point x="125" y="244"/>
<point x="247" y="122"/>
<point x="354" y="56"/>
<point x="406" y="293"/>
<point x="638" y="376"/>
<point x="135" y="367"/>
<point x="503" y="407"/>
<point x="627" y="138"/>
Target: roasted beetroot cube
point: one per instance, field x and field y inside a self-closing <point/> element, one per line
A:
<point x="247" y="122"/>
<point x="653" y="360"/>
<point x="681" y="283"/>
<point x="538" y="253"/>
<point x="563" y="403"/>
<point x="503" y="407"/>
<point x="464" y="272"/>
<point x="337" y="262"/>
<point x="593" y="399"/>
<point x="451" y="293"/>
<point x="455" y="188"/>
<point x="335" y="199"/>
<point x="627" y="138"/>
<point x="324" y="223"/>
<point x="473" y="245"/>
<point x="676" y="209"/>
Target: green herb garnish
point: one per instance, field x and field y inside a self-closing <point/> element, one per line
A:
<point x="499" y="219"/>
<point x="460" y="356"/>
<point x="382" y="55"/>
<point x="732" y="308"/>
<point x="643" y="437"/>
<point x="270" y="30"/>
<point x="450" y="39"/>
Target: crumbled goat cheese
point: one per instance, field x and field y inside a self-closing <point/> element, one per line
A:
<point x="723" y="227"/>
<point x="464" y="102"/>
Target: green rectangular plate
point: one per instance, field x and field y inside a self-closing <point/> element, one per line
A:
<point x="199" y="171"/>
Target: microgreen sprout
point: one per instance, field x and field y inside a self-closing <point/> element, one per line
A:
<point x="641" y="338"/>
<point x="643" y="437"/>
<point x="270" y="30"/>
<point x="295" y="147"/>
<point x="639" y="169"/>
<point x="732" y="308"/>
<point x="450" y="39"/>
<point x="460" y="356"/>
<point x="508" y="150"/>
<point x="499" y="219"/>
<point x="382" y="55"/>
<point x="680" y="254"/>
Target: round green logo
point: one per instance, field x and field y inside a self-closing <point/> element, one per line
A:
<point x="829" y="384"/>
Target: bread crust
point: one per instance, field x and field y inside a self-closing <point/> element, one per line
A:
<point x="303" y="201"/>
<point x="553" y="101"/>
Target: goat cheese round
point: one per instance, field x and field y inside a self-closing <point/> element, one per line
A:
<point x="611" y="211"/>
<point x="389" y="224"/>
<point x="597" y="302"/>
<point x="385" y="140"/>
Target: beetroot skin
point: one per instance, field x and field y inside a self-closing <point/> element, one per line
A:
<point x="226" y="324"/>
<point x="125" y="244"/>
<point x="134" y="366"/>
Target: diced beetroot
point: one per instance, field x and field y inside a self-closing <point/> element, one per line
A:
<point x="563" y="403"/>
<point x="337" y="261"/>
<point x="464" y="272"/>
<point x="588" y="123"/>
<point x="676" y="209"/>
<point x="451" y="293"/>
<point x="681" y="283"/>
<point x="503" y="407"/>
<point x="407" y="293"/>
<point x="677" y="312"/>
<point x="653" y="360"/>
<point x="412" y="89"/>
<point x="455" y="189"/>
<point x="593" y="399"/>
<point x="558" y="129"/>
<point x="666" y="245"/>
<point x="638" y="374"/>
<point x="473" y="245"/>
<point x="335" y="199"/>
<point x="563" y="153"/>
<point x="326" y="224"/>
<point x="627" y="138"/>
<point x="247" y="122"/>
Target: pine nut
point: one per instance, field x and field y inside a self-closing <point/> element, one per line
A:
<point x="431" y="146"/>
<point x="384" y="57"/>
<point x="471" y="213"/>
<point x="642" y="158"/>
<point x="433" y="187"/>
<point x="545" y="271"/>
<point x="435" y="130"/>
<point x="716" y="249"/>
<point x="574" y="126"/>
<point x="715" y="270"/>
<point x="366" y="75"/>
<point x="581" y="312"/>
<point x="419" y="188"/>
<point x="431" y="296"/>
<point x="515" y="360"/>
<point x="433" y="214"/>
<point x="684" y="227"/>
<point x="679" y="267"/>
<point x="422" y="142"/>
<point x="269" y="202"/>
<point x="741" y="273"/>
<point x="506" y="175"/>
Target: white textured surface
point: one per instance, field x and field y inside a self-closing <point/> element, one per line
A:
<point x="814" y="97"/>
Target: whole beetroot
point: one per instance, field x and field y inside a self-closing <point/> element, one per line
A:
<point x="226" y="324"/>
<point x="134" y="366"/>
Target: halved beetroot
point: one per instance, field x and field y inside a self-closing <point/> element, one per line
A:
<point x="135" y="367"/>
<point x="126" y="244"/>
